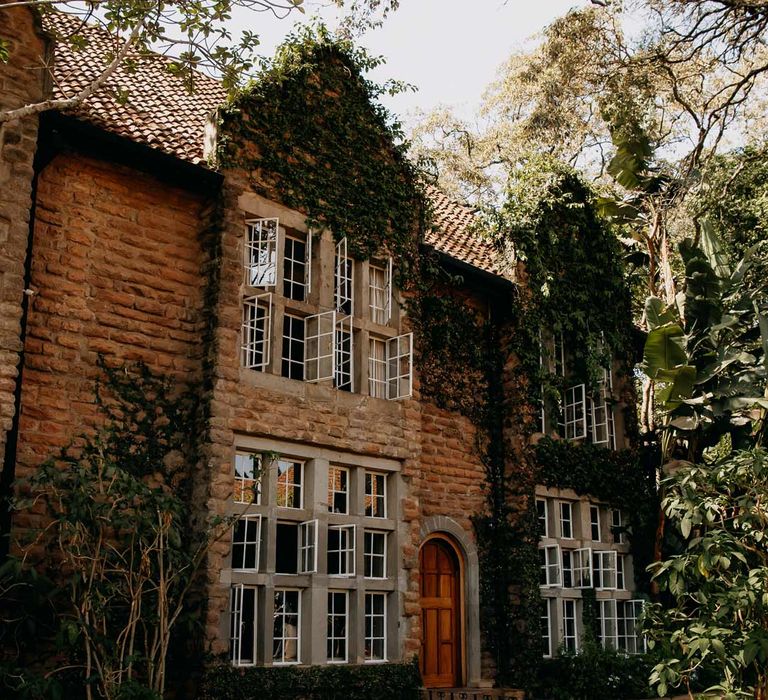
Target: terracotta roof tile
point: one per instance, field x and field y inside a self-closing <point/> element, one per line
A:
<point x="161" y="113"/>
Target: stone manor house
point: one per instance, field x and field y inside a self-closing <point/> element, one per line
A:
<point x="357" y="544"/>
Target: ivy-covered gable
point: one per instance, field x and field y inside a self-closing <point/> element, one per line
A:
<point x="313" y="136"/>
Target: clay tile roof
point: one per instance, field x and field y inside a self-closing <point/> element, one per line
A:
<point x="455" y="235"/>
<point x="162" y="114"/>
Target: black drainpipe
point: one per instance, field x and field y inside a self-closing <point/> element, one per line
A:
<point x="43" y="156"/>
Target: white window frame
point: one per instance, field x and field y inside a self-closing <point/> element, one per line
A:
<point x="385" y="315"/>
<point x="261" y="251"/>
<point x="291" y="341"/>
<point x="346" y="554"/>
<point x="399" y="381"/>
<point x="236" y="595"/>
<point x="568" y="520"/>
<point x="546" y="626"/>
<point x="551" y="566"/>
<point x="332" y="490"/>
<point x="633" y="643"/>
<point x="574" y="414"/>
<point x="307" y="257"/>
<point x="254" y="541"/>
<point x="382" y="496"/>
<point x="249" y="341"/>
<point x="593" y="509"/>
<point x="344" y="288"/>
<point x="603" y="427"/>
<point x="320" y="347"/>
<point x="617" y="523"/>
<point x="243" y="485"/>
<point x="384" y="627"/>
<point x="377" y="368"/>
<point x="608" y="623"/>
<point x="605" y="568"/>
<point x="566" y="568"/>
<point x="370" y="555"/>
<point x="283" y="638"/>
<point x="582" y="567"/>
<point x="329" y="623"/>
<point x="344" y="358"/>
<point x="545" y="531"/>
<point x="300" y="484"/>
<point x="621" y="564"/>
<point x="574" y="618"/>
<point x="308" y="547"/>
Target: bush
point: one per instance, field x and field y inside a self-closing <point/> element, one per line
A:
<point x="594" y="673"/>
<point x="391" y="681"/>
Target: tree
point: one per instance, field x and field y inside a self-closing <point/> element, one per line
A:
<point x="195" y="35"/>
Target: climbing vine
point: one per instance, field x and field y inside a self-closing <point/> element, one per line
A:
<point x="312" y="134"/>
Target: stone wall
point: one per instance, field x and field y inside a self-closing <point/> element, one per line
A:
<point x="20" y="84"/>
<point x="115" y="271"/>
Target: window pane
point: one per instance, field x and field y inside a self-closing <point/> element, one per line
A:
<point x="375" y="495"/>
<point x="289" y="480"/>
<point x="245" y="543"/>
<point x="261" y="252"/>
<point x="374" y="554"/>
<point x="295" y="269"/>
<point x="287" y="546"/>
<point x="377" y="368"/>
<point x="338" y="490"/>
<point x="293" y="347"/>
<point x="375" y="626"/>
<point x="378" y="294"/>
<point x="242" y="627"/>
<point x="337" y="626"/>
<point x="286" y="632"/>
<point x="247" y="470"/>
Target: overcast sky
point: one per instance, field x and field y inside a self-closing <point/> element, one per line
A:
<point x="449" y="49"/>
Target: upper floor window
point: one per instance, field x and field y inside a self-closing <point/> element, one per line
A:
<point x="289" y="483"/>
<point x="344" y="279"/>
<point x="380" y="291"/>
<point x="375" y="495"/>
<point x="297" y="256"/>
<point x="261" y="252"/>
<point x="247" y="472"/>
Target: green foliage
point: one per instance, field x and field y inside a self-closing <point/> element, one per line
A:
<point x="573" y="267"/>
<point x="624" y="479"/>
<point x="451" y="353"/>
<point x="313" y="135"/>
<point x="718" y="585"/>
<point x="117" y="536"/>
<point x="734" y="197"/>
<point x="396" y="681"/>
<point x="593" y="673"/>
<point x="708" y="350"/>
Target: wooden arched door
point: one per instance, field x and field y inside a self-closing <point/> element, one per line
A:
<point x="440" y="583"/>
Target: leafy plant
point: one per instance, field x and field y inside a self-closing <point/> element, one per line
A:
<point x="718" y="585"/>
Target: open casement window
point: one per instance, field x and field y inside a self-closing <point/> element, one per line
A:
<point x="341" y="550"/>
<point x="320" y="347"/>
<point x="344" y="370"/>
<point x="261" y="246"/>
<point x="608" y="631"/>
<point x="343" y="282"/>
<point x="550" y="565"/>
<point x="242" y="625"/>
<point x="328" y="349"/>
<point x="601" y="413"/>
<point x="308" y="547"/>
<point x="380" y="291"/>
<point x="257" y="331"/>
<point x="400" y="367"/>
<point x="605" y="570"/>
<point x="582" y="568"/>
<point x="573" y="425"/>
<point x="246" y="543"/>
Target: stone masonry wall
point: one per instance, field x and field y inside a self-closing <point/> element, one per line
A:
<point x="116" y="270"/>
<point x="20" y="84"/>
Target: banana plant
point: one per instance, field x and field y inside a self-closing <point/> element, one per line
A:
<point x="708" y="351"/>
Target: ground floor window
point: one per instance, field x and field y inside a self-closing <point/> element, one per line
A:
<point x="375" y="627"/>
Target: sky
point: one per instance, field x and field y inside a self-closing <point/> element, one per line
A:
<point x="449" y="49"/>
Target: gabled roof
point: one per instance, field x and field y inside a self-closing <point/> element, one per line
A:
<point x="160" y="112"/>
